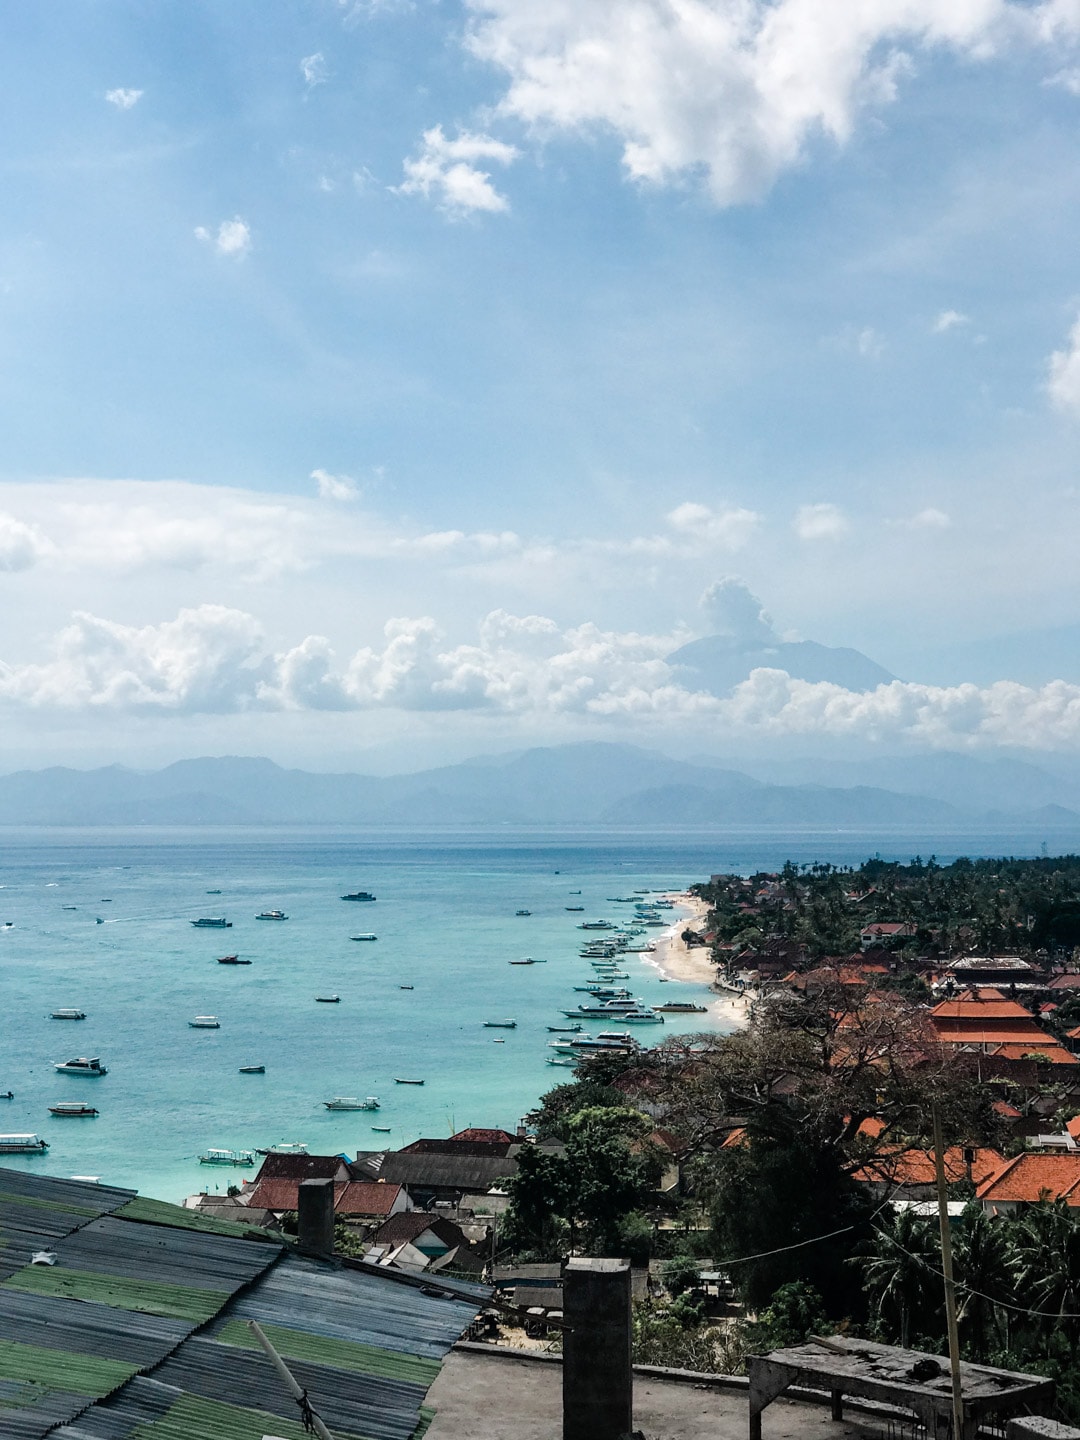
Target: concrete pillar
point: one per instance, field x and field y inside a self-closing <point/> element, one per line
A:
<point x="598" y="1401"/>
<point x="315" y="1217"/>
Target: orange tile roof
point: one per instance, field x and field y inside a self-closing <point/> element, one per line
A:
<point x="1009" y="1111"/>
<point x="1022" y="1049"/>
<point x="994" y="1035"/>
<point x="736" y="1138"/>
<point x="1032" y="1177"/>
<point x="917" y="1167"/>
<point x="1074" y="1033"/>
<point x="980" y="1009"/>
<point x="1073" y="1127"/>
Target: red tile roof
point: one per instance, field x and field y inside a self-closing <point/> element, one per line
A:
<point x="491" y="1137"/>
<point x="1033" y="1177"/>
<point x="917" y="1167"/>
<point x="352" y="1197"/>
<point x="1010" y="1112"/>
<point x="1048" y="1049"/>
<point x="300" y="1167"/>
<point x="1029" y="1035"/>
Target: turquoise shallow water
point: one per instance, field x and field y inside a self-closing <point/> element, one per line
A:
<point x="446" y="925"/>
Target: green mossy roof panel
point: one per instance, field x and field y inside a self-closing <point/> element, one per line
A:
<point x="342" y="1354"/>
<point x="160" y="1212"/>
<point x="193" y="1418"/>
<point x="60" y="1370"/>
<point x="34" y="1203"/>
<point x="155" y="1298"/>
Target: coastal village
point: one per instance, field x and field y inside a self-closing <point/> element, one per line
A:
<point x="772" y="1197"/>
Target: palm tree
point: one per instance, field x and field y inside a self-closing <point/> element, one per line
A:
<point x="902" y="1274"/>
<point x="1046" y="1257"/>
<point x="984" y="1274"/>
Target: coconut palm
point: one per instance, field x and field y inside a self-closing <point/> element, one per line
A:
<point x="982" y="1257"/>
<point x="901" y="1271"/>
<point x="1046" y="1256"/>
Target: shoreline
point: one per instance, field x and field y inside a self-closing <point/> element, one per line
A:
<point x="677" y="961"/>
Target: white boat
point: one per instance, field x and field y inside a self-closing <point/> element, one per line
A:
<point x="212" y="924"/>
<point x="352" y="1102"/>
<point x="80" y="1066"/>
<point x="68" y="1013"/>
<point x="252" y="1070"/>
<point x="272" y="915"/>
<point x="22" y="1145"/>
<point x="596" y="925"/>
<point x="285" y="1147"/>
<point x="328" y="999"/>
<point x="71" y="1108"/>
<point x="562" y="1060"/>
<point x="205" y="1022"/>
<point x="500" y="1024"/>
<point x="227" y="1157"/>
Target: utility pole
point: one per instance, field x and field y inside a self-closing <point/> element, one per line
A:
<point x="950" y="1284"/>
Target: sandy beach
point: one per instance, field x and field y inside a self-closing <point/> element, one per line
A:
<point x="673" y="958"/>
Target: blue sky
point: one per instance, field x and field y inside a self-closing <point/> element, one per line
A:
<point x="323" y="316"/>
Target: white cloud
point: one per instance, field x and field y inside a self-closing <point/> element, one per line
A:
<point x="335" y="487"/>
<point x="313" y="69"/>
<point x="214" y="660"/>
<point x="233" y="237"/>
<point x="1064" y="381"/>
<point x="949" y="320"/>
<point x="728" y="529"/>
<point x="123" y="99"/>
<point x="445" y="171"/>
<point x="736" y="91"/>
<point x="21" y="546"/>
<point x="821" y="522"/>
<point x="929" y="519"/>
<point x="869" y="343"/>
<point x="733" y="609"/>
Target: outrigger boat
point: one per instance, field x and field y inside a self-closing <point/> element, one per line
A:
<point x="71" y="1108"/>
<point x="68" y="1014"/>
<point x="205" y="1022"/>
<point x="352" y="1102"/>
<point x="285" y="1147"/>
<point x="228" y="1157"/>
<point x="500" y="1024"/>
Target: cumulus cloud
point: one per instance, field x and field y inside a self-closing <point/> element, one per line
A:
<point x="727" y="529"/>
<point x="735" y="91"/>
<point x="123" y="99"/>
<point x="213" y="660"/>
<point x="929" y="519"/>
<point x="313" y="69"/>
<point x="233" y="237"/>
<point x="335" y="487"/>
<point x="949" y="320"/>
<point x="21" y="545"/>
<point x="731" y="608"/>
<point x="821" y="522"/>
<point x="446" y="171"/>
<point x="1064" y="380"/>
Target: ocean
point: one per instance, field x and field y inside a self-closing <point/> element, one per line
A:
<point x="446" y="925"/>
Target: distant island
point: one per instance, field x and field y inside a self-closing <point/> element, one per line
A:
<point x="591" y="784"/>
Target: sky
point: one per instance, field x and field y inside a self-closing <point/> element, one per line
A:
<point x="386" y="381"/>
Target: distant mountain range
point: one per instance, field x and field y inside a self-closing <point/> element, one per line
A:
<point x="720" y="662"/>
<point x="585" y="784"/>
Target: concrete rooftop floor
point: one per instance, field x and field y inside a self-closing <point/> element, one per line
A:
<point x="487" y="1397"/>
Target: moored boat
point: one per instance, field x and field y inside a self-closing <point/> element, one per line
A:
<point x="285" y="1147"/>
<point x="363" y="937"/>
<point x="328" y="999"/>
<point x="81" y="1065"/>
<point x="359" y="895"/>
<point x="563" y="1029"/>
<point x="205" y="1022"/>
<point x="68" y="1013"/>
<point x="575" y="909"/>
<point x="22" y="1145"/>
<point x="71" y="1108"/>
<point x="500" y="1024"/>
<point x="399" y="1081"/>
<point x="232" y="960"/>
<point x="682" y="1007"/>
<point x="210" y="923"/>
<point x="227" y="1157"/>
<point x="252" y="1070"/>
<point x="522" y="912"/>
<point x="352" y="1102"/>
<point x="382" y="1129"/>
<point x="596" y="925"/>
<point x="271" y="915"/>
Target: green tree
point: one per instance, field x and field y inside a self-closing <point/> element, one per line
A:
<point x="901" y="1273"/>
<point x="983" y="1267"/>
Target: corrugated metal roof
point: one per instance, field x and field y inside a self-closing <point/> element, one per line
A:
<point x="36" y="1211"/>
<point x="128" y="1291"/>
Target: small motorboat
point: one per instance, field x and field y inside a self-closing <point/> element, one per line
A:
<point x="561" y="1060"/>
<point x="69" y="907"/>
<point x="252" y="1070"/>
<point x="328" y="999"/>
<point x="363" y="937"/>
<point x="213" y="892"/>
<point x="205" y="1022"/>
<point x="499" y="1041"/>
<point x="563" y="1029"/>
<point x="382" y="1129"/>
<point x="352" y="1102"/>
<point x="500" y="1024"/>
<point x="285" y="1147"/>
<point x="71" y="1108"/>
<point x="7" y="1095"/>
<point x="575" y="909"/>
<point x="361" y="895"/>
<point x="232" y="960"/>
<point x="99" y="921"/>
<point x="681" y="1007"/>
<point x="227" y="1157"/>
<point x="68" y="1013"/>
<point x="398" y="1081"/>
<point x="209" y="923"/>
<point x="23" y="1145"/>
<point x="272" y="915"/>
<point x="80" y="1066"/>
<point x="406" y="987"/>
<point x="522" y="912"/>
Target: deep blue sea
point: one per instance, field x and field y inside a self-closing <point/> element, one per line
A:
<point x="445" y="918"/>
